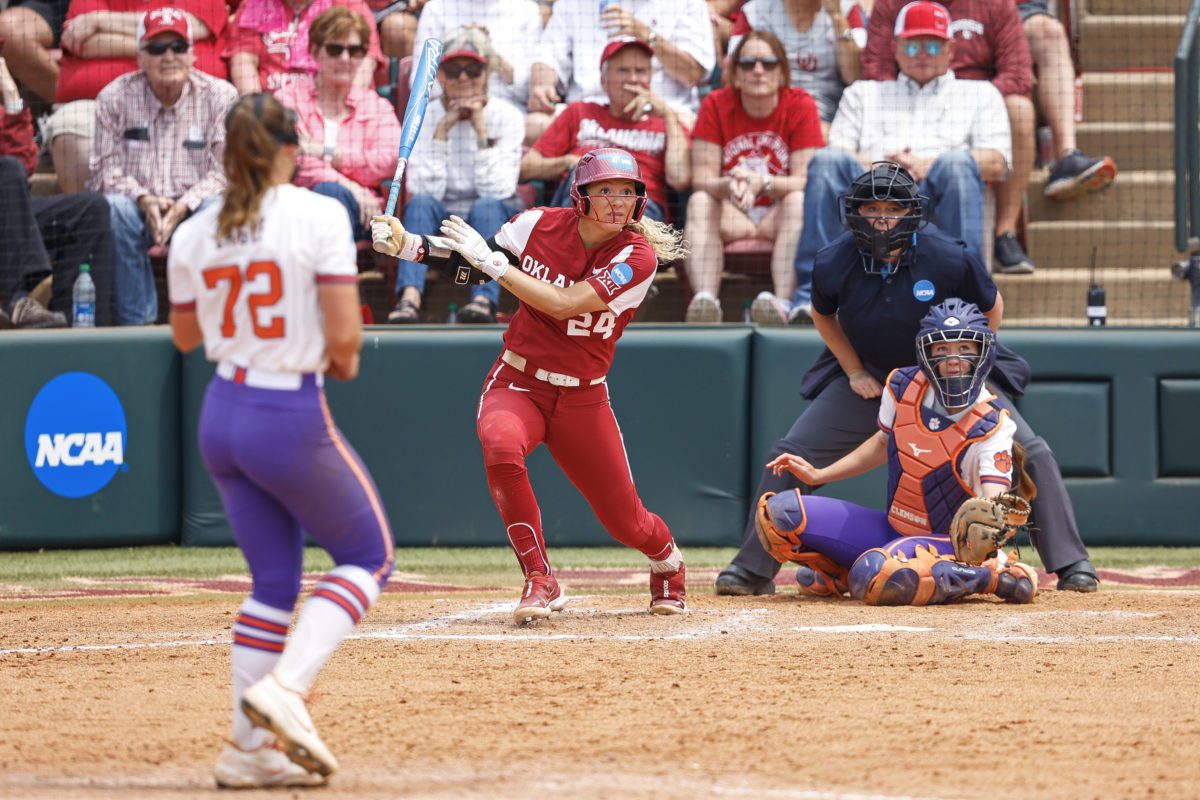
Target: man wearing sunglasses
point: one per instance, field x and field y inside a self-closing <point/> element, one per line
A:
<point x="464" y="163"/>
<point x="160" y="135"/>
<point x="951" y="135"/>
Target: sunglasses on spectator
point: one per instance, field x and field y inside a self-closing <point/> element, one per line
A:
<point x="913" y="49"/>
<point x="768" y="63"/>
<point x="176" y="46"/>
<point x="453" y="71"/>
<point x="336" y="50"/>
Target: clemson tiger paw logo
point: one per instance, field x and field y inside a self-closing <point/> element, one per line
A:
<point x="1004" y="461"/>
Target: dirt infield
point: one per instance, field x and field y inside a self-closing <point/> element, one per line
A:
<point x="125" y="694"/>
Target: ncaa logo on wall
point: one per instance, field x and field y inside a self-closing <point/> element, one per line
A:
<point x="75" y="435"/>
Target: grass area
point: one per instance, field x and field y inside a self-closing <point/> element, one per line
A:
<point x="480" y="565"/>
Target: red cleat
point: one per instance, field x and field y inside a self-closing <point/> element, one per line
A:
<point x="542" y="596"/>
<point x="667" y="592"/>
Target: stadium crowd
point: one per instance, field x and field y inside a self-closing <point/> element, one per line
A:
<point x="748" y="119"/>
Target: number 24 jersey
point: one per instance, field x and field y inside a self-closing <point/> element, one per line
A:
<point x="547" y="245"/>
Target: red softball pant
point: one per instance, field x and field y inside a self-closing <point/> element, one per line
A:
<point x="516" y="414"/>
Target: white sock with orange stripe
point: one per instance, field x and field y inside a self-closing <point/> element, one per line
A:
<point x="259" y="636"/>
<point x="338" y="602"/>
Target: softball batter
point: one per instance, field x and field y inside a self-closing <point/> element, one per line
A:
<point x="580" y="274"/>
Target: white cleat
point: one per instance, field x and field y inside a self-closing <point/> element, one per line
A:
<point x="280" y="710"/>
<point x="263" y="767"/>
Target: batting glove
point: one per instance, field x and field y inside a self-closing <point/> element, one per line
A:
<point x="466" y="240"/>
<point x="389" y="237"/>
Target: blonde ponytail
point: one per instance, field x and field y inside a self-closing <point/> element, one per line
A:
<point x="257" y="126"/>
<point x="666" y="241"/>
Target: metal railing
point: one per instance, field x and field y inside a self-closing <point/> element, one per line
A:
<point x="1187" y="156"/>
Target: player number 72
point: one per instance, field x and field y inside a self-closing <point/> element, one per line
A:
<point x="256" y="301"/>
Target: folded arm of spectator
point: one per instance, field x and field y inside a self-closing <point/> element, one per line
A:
<point x="706" y="170"/>
<point x="243" y="73"/>
<point x="498" y="160"/>
<point x="679" y="152"/>
<point x="845" y="132"/>
<point x="674" y="52"/>
<point x="106" y="165"/>
<point x="112" y="34"/>
<point x="535" y="166"/>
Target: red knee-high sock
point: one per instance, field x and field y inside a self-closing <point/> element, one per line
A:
<point x="522" y="518"/>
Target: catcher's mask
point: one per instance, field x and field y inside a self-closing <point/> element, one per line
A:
<point x="886" y="181"/>
<point x="956" y="320"/>
<point x="603" y="164"/>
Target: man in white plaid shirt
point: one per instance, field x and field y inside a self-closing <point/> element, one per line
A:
<point x="160" y="136"/>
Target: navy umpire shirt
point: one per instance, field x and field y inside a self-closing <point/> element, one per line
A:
<point x="881" y="315"/>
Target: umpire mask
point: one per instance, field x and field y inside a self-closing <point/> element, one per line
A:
<point x="886" y="181"/>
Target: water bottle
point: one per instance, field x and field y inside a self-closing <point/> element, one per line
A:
<point x="452" y="317"/>
<point x="746" y="311"/>
<point x="83" y="299"/>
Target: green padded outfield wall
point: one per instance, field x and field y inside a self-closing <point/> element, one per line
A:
<point x="89" y="429"/>
<point x="679" y="397"/>
<point x="1120" y="409"/>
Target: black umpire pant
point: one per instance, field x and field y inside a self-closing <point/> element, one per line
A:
<point x="44" y="235"/>
<point x="838" y="420"/>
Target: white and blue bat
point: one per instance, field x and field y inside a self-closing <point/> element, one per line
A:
<point x="414" y="114"/>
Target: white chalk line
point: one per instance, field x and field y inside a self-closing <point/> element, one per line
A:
<point x="1004" y="629"/>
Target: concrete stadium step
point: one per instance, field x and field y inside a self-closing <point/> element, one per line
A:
<point x="1128" y="97"/>
<point x="1128" y="42"/>
<point x="1133" y="145"/>
<point x="1124" y="7"/>
<point x="1132" y="296"/>
<point x="1137" y="244"/>
<point x="1134" y="195"/>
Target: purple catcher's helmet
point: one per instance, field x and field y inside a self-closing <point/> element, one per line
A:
<point x="955" y="320"/>
<point x="601" y="164"/>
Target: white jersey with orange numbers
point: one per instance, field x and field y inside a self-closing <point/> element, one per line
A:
<point x="255" y="294"/>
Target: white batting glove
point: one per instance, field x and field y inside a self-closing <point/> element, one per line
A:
<point x="466" y="240"/>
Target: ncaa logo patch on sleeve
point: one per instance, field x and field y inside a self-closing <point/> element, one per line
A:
<point x="621" y="274"/>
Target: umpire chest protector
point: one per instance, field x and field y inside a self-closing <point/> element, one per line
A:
<point x="925" y="481"/>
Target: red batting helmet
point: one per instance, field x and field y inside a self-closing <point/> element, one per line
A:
<point x="601" y="164"/>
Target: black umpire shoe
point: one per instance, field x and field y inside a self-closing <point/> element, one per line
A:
<point x="735" y="581"/>
<point x="1009" y="258"/>
<point x="1078" y="577"/>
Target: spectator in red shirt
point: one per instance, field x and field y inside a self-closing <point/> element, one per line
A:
<point x="349" y="135"/>
<point x="44" y="236"/>
<point x="634" y="119"/>
<point x="989" y="45"/>
<point x="750" y="153"/>
<point x="267" y="46"/>
<point x="99" y="43"/>
<point x="28" y="30"/>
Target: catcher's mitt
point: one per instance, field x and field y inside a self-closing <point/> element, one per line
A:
<point x="983" y="525"/>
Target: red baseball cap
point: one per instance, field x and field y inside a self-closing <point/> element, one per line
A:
<point x="923" y="18"/>
<point x="164" y="20"/>
<point x="614" y="47"/>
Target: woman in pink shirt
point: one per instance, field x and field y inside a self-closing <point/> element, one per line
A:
<point x="349" y="135"/>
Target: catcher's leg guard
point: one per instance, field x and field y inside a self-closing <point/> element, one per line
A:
<point x="778" y="522"/>
<point x="1014" y="581"/>
<point x="882" y="579"/>
<point x="816" y="582"/>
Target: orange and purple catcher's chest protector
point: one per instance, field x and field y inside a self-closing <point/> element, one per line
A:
<point x="925" y="481"/>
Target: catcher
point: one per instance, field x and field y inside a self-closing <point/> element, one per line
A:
<point x="952" y="502"/>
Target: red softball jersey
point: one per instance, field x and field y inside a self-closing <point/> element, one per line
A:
<point x="547" y="244"/>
